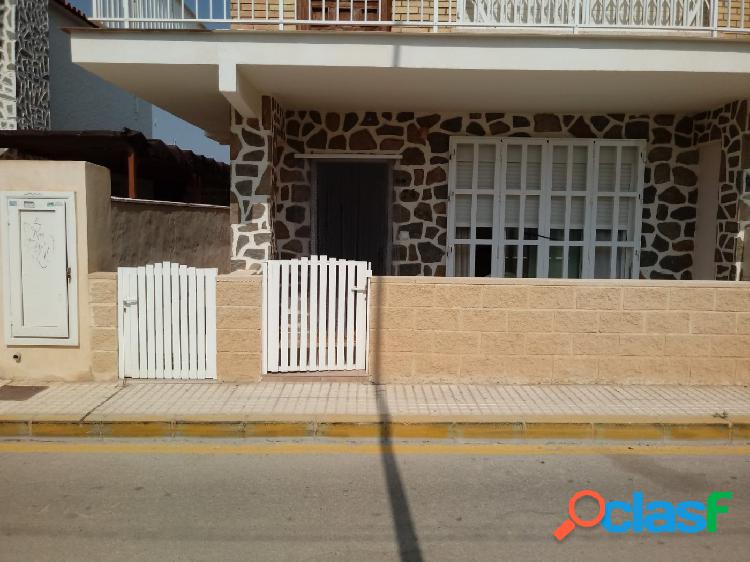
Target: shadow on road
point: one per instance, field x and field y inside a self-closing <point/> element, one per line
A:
<point x="403" y="523"/>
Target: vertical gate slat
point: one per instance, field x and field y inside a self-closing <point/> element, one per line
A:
<point x="361" y="314"/>
<point x="131" y="366"/>
<point x="142" y="366"/>
<point x="331" y="351"/>
<point x="272" y="337"/>
<point x="184" y="363"/>
<point x="304" y="342"/>
<point x="150" y="320"/>
<point x="176" y="348"/>
<point x="284" y="359"/>
<point x="192" y="323"/>
<point x="167" y="298"/>
<point x="158" y="323"/>
<point x="211" y="323"/>
<point x="340" y="320"/>
<point x="293" y="312"/>
<point x="121" y="328"/>
<point x="200" y="324"/>
<point x="350" y="296"/>
<point x="313" y="345"/>
<point x="323" y="315"/>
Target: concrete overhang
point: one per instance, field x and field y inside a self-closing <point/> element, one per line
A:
<point x="199" y="75"/>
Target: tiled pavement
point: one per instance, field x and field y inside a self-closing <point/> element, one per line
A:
<point x="277" y="400"/>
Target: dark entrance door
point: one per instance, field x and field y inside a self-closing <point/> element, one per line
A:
<point x="352" y="218"/>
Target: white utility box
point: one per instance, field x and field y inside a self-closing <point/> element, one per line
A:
<point x="39" y="268"/>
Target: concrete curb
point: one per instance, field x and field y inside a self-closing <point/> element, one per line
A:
<point x="701" y="429"/>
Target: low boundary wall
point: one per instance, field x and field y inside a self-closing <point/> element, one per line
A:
<point x="431" y="330"/>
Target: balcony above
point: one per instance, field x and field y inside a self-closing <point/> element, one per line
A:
<point x="698" y="17"/>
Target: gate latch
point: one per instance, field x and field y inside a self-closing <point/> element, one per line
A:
<point x="359" y="290"/>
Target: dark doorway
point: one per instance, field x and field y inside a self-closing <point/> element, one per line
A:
<point x="352" y="218"/>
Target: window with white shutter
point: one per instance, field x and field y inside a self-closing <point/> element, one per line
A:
<point x="559" y="208"/>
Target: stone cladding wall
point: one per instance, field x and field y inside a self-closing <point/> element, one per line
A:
<point x="727" y="124"/>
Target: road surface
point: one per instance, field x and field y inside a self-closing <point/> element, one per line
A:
<point x="355" y="502"/>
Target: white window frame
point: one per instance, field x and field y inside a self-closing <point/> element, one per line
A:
<point x="71" y="249"/>
<point x="546" y="193"/>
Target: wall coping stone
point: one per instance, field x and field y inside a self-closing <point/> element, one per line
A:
<point x="169" y="203"/>
<point x="408" y="280"/>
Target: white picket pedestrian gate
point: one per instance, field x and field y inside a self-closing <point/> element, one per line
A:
<point x="315" y="314"/>
<point x="167" y="322"/>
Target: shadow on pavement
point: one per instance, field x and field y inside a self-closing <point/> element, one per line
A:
<point x="403" y="523"/>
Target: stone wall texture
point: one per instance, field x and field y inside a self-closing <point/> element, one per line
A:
<point x="728" y="125"/>
<point x="24" y="65"/>
<point x="32" y="65"/>
<point x="8" y="65"/>
<point x="500" y="331"/>
<point x="268" y="173"/>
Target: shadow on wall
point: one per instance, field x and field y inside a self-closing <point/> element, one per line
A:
<point x="403" y="522"/>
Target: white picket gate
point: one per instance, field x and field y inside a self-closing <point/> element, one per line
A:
<point x="315" y="314"/>
<point x="167" y="322"/>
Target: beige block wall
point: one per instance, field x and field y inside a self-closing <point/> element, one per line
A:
<point x="434" y="330"/>
<point x="91" y="186"/>
<point x="238" y="327"/>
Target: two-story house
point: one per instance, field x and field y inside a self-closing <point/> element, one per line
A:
<point x="547" y="138"/>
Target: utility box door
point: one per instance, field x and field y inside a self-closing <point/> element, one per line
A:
<point x="40" y="269"/>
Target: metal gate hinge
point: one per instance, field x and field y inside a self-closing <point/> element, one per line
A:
<point x="68" y="274"/>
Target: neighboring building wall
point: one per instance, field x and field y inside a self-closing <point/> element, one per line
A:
<point x="727" y="124"/>
<point x="420" y="178"/>
<point x="32" y="65"/>
<point x="8" y="65"/>
<point x="80" y="100"/>
<point x="528" y="332"/>
<point x="154" y="231"/>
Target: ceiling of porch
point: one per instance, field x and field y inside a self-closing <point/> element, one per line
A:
<point x="179" y="71"/>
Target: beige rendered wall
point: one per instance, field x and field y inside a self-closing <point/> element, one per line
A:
<point x="506" y="331"/>
<point x="152" y="231"/>
<point x="91" y="186"/>
<point x="238" y="326"/>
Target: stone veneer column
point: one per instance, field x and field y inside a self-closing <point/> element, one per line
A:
<point x="254" y="147"/>
<point x="8" y="65"/>
<point x="24" y="65"/>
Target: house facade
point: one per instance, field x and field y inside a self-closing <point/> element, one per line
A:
<point x="503" y="139"/>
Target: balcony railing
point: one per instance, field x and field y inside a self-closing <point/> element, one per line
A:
<point x="714" y="16"/>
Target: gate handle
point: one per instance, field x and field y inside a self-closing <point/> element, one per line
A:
<point x="358" y="290"/>
<point x="129" y="302"/>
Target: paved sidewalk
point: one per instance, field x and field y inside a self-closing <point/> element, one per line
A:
<point x="191" y="402"/>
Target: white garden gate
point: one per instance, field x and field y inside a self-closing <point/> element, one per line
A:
<point x="167" y="322"/>
<point x="315" y="314"/>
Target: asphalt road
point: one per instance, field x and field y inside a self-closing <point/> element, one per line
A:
<point x="211" y="500"/>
